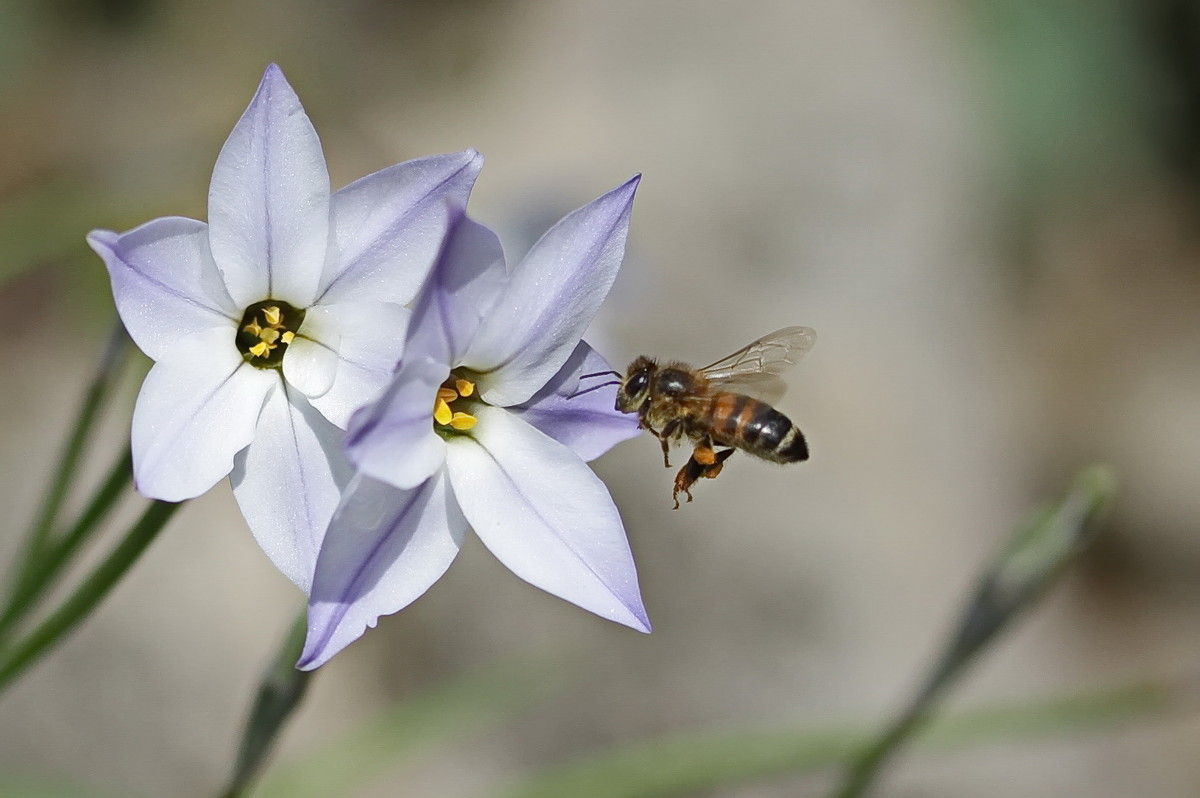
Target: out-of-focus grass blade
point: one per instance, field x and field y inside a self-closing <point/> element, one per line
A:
<point x="29" y="787"/>
<point x="681" y="766"/>
<point x="279" y="695"/>
<point x="684" y="765"/>
<point x="418" y="723"/>
<point x="1016" y="579"/>
<point x="45" y="220"/>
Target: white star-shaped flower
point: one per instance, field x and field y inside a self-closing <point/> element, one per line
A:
<point x="482" y="427"/>
<point x="272" y="323"/>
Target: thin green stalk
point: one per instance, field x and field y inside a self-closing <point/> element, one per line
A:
<point x="40" y="535"/>
<point x="46" y="569"/>
<point x="691" y="764"/>
<point x="15" y="658"/>
<point x="1019" y="576"/>
<point x="279" y="695"/>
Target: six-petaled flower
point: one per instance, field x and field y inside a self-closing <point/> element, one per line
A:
<point x="270" y="325"/>
<point x="479" y="429"/>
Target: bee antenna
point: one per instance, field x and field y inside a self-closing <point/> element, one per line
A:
<point x="600" y="374"/>
<point x="594" y="388"/>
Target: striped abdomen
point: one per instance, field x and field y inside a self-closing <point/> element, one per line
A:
<point x="754" y="427"/>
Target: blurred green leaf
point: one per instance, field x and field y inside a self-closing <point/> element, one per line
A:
<point x="1018" y="576"/>
<point x="417" y="724"/>
<point x="29" y="787"/>
<point x="43" y="221"/>
<point x="280" y="692"/>
<point x="687" y="764"/>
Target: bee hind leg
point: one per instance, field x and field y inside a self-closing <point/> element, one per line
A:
<point x="705" y="463"/>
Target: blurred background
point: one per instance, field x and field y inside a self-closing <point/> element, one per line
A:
<point x="987" y="210"/>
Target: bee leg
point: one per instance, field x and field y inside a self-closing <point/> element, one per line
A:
<point x="687" y="477"/>
<point x="712" y="460"/>
<point x="664" y="437"/>
<point x="705" y="463"/>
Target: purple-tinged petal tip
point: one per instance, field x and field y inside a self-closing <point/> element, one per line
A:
<point x="551" y="297"/>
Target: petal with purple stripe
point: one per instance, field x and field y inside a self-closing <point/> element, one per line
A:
<point x="545" y="515"/>
<point x="388" y="227"/>
<point x="165" y="282"/>
<point x="195" y="412"/>
<point x="268" y="203"/>
<point x="580" y="414"/>
<point x="288" y="482"/>
<point x="385" y="547"/>
<point x="550" y="299"/>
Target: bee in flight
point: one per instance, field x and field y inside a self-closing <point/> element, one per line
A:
<point x="726" y="404"/>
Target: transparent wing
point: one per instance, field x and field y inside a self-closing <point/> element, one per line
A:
<point x="755" y="368"/>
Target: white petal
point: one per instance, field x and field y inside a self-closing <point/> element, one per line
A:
<point x="311" y="363"/>
<point x="288" y="482"/>
<point x="545" y="515"/>
<point x="164" y="282"/>
<point x="550" y="299"/>
<point x="466" y="281"/>
<point x="268" y="204"/>
<point x="385" y="547"/>
<point x="366" y="339"/>
<point x="196" y="410"/>
<point x="388" y="227"/>
<point x="582" y="417"/>
<point x="393" y="440"/>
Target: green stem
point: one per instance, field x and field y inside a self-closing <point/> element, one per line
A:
<point x="46" y="569"/>
<point x="694" y="764"/>
<point x="279" y="695"/>
<point x="20" y="655"/>
<point x="1020" y="575"/>
<point x="98" y="389"/>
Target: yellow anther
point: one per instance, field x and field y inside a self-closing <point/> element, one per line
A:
<point x="288" y="337"/>
<point x="447" y="394"/>
<point x="441" y="412"/>
<point x="260" y="349"/>
<point x="465" y="388"/>
<point x="273" y="315"/>
<point x="463" y="421"/>
<point x="269" y="336"/>
<point x="253" y="328"/>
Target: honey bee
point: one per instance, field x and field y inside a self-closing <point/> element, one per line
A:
<point x="726" y="404"/>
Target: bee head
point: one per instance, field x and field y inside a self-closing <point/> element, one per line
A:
<point x="635" y="387"/>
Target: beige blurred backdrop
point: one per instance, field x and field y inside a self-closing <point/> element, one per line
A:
<point x="986" y="210"/>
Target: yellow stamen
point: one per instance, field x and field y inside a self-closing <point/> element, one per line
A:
<point x="465" y="387"/>
<point x="447" y="394"/>
<point x="288" y="337"/>
<point x="441" y="412"/>
<point x="270" y="336"/>
<point x="260" y="349"/>
<point x="463" y="421"/>
<point x="273" y="315"/>
<point x="253" y="328"/>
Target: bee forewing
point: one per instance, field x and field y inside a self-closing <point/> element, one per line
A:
<point x="772" y="354"/>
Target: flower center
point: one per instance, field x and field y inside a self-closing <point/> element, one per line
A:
<point x="265" y="332"/>
<point x="445" y="418"/>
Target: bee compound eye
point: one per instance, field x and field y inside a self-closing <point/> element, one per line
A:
<point x="638" y="383"/>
